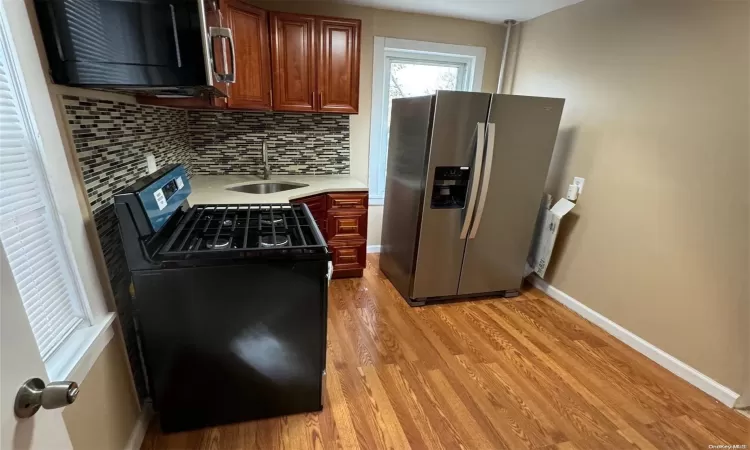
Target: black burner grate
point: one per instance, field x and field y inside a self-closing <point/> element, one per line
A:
<point x="244" y="230"/>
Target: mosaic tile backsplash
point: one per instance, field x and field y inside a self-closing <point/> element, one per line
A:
<point x="231" y="142"/>
<point x="112" y="139"/>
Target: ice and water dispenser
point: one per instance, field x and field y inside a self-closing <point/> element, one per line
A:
<point x="449" y="188"/>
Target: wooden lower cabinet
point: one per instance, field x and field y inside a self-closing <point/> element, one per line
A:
<point x="342" y="220"/>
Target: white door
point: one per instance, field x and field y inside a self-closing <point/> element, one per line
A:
<point x="19" y="361"/>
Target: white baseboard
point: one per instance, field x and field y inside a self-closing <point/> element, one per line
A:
<point x="140" y="428"/>
<point x="659" y="356"/>
<point x="373" y="249"/>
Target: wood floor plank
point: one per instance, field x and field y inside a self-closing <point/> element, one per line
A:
<point x="389" y="427"/>
<point x="605" y="441"/>
<point x="658" y="392"/>
<point x="358" y="403"/>
<point x="448" y="433"/>
<point x="418" y="425"/>
<point x="635" y="438"/>
<point x="730" y="425"/>
<point x="664" y="435"/>
<point x="601" y="378"/>
<point x="568" y="378"/>
<point x="473" y="435"/>
<point x="697" y="431"/>
<point x="522" y="373"/>
<point x="510" y="415"/>
<point x="337" y="428"/>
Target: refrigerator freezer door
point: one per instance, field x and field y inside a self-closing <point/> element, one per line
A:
<point x="404" y="188"/>
<point x="453" y="144"/>
<point x="525" y="130"/>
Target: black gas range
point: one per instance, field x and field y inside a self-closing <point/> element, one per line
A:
<point x="230" y="303"/>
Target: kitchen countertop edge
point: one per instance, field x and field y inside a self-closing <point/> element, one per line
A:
<point x="214" y="189"/>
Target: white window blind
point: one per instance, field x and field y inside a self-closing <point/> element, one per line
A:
<point x="30" y="230"/>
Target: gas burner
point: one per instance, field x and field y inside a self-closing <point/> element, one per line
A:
<point x="265" y="219"/>
<point x="221" y="244"/>
<point x="232" y="231"/>
<point x="268" y="241"/>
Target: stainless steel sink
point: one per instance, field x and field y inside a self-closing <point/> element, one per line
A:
<point x="266" y="188"/>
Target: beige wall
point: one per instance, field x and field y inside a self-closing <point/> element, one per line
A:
<point x="105" y="412"/>
<point x="377" y="22"/>
<point x="656" y="120"/>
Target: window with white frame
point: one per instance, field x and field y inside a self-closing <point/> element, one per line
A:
<point x="30" y="227"/>
<point x="405" y="68"/>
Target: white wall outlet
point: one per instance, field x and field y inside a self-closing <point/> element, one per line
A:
<point x="578" y="181"/>
<point x="572" y="194"/>
<point x="150" y="162"/>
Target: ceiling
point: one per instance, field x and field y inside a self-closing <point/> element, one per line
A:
<point x="494" y="11"/>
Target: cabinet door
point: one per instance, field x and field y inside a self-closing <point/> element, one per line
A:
<point x="338" y="65"/>
<point x="252" y="86"/>
<point x="293" y="55"/>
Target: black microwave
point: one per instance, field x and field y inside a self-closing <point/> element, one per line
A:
<point x="156" y="47"/>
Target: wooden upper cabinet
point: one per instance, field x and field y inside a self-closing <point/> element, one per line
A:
<point x="285" y="62"/>
<point x="252" y="86"/>
<point x="338" y="65"/>
<point x="293" y="62"/>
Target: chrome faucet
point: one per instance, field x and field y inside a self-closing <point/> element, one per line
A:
<point x="266" y="171"/>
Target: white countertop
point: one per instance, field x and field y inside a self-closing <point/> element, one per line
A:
<point x="214" y="189"/>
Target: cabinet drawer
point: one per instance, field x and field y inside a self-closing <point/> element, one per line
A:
<point x="348" y="200"/>
<point x="348" y="257"/>
<point x="348" y="225"/>
<point x="316" y="203"/>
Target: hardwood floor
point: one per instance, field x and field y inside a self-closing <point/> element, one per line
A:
<point x="490" y="374"/>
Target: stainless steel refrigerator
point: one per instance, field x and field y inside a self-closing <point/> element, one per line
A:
<point x="464" y="181"/>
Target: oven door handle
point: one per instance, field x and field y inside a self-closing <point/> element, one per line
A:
<point x="223" y="33"/>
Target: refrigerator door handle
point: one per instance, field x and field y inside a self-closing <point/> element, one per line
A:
<point x="478" y="157"/>
<point x="485" y="178"/>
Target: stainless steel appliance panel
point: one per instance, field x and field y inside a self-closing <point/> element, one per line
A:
<point x="174" y="48"/>
<point x="457" y="127"/>
<point x="521" y="136"/>
<point x="404" y="189"/>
